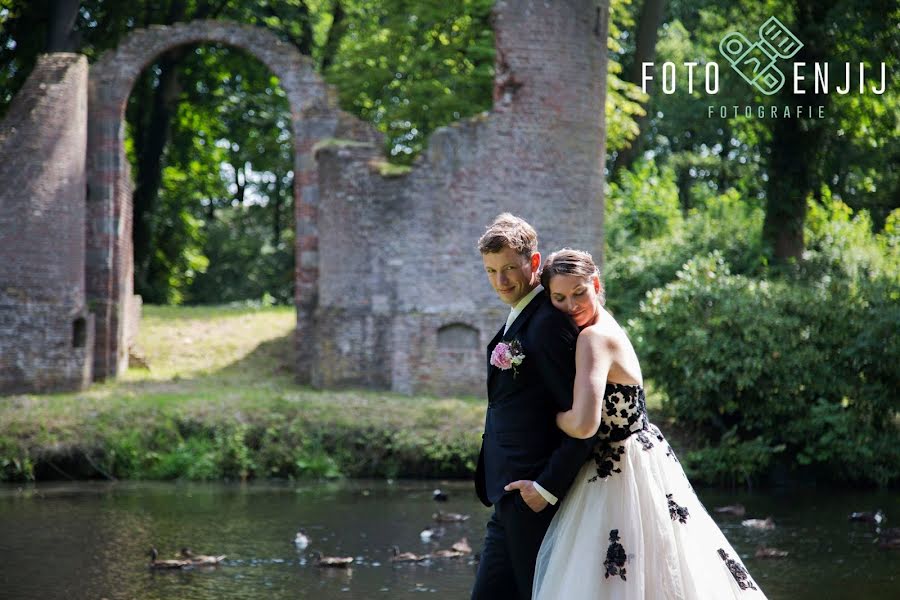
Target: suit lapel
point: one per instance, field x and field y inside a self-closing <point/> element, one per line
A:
<point x="491" y="368"/>
<point x="523" y="316"/>
<point x="511" y="333"/>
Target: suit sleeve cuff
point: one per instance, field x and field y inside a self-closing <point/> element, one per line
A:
<point x="546" y="495"/>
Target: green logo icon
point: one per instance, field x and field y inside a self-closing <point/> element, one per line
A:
<point x="756" y="62"/>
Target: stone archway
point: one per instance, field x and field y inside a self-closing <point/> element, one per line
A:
<point x="110" y="257"/>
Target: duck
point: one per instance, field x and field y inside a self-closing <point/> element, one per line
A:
<point x="765" y="552"/>
<point x="462" y="546"/>
<point x="428" y="534"/>
<point x="737" y="510"/>
<point x="332" y="562"/>
<point x="764" y="524"/>
<point x="301" y="540"/>
<point x="156" y="563"/>
<point x="876" y="517"/>
<point x="200" y="560"/>
<point x="449" y="517"/>
<point x="439" y="496"/>
<point x="445" y="553"/>
<point x="888" y="538"/>
<point x="398" y="557"/>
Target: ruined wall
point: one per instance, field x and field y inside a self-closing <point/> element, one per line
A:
<point x="110" y="268"/>
<point x="398" y="266"/>
<point x="390" y="291"/>
<point x="46" y="332"/>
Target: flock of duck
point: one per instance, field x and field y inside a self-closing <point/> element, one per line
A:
<point x="887" y="538"/>
<point x="187" y="559"/>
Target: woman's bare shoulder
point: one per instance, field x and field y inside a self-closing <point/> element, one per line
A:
<point x="598" y="338"/>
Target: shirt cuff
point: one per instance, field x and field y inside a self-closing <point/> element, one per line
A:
<point x="547" y="495"/>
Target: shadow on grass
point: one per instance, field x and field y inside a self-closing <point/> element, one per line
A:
<point x="270" y="364"/>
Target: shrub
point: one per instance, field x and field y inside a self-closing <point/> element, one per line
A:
<point x="782" y="363"/>
<point x="724" y="223"/>
<point x="840" y="243"/>
<point x="643" y="205"/>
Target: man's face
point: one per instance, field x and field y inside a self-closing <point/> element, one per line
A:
<point x="512" y="275"/>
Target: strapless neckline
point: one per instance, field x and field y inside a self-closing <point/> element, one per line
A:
<point x="613" y="384"/>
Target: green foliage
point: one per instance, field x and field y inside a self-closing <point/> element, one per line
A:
<point x="177" y="249"/>
<point x="635" y="264"/>
<point x="642" y="205"/>
<point x="732" y="461"/>
<point x="243" y="263"/>
<point x="840" y="243"/>
<point x="411" y="67"/>
<point x="779" y="363"/>
<point x="15" y="462"/>
<point x="624" y="100"/>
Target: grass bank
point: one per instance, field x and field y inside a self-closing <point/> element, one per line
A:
<point x="218" y="401"/>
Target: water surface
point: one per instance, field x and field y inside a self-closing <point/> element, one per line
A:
<point x="89" y="540"/>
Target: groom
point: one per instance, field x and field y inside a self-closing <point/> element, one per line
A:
<point x="526" y="464"/>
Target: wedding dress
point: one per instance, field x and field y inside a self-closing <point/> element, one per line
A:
<point x="631" y="526"/>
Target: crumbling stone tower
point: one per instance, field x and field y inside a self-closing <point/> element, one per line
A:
<point x="46" y="329"/>
<point x="389" y="287"/>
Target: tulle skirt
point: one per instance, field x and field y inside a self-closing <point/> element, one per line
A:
<point x="635" y="530"/>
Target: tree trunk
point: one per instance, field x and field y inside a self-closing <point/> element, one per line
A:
<point x="276" y="212"/>
<point x="61" y="35"/>
<point x="335" y="33"/>
<point x="786" y="191"/>
<point x="151" y="136"/>
<point x="793" y="171"/>
<point x="644" y="51"/>
<point x="306" y="43"/>
<point x="152" y="143"/>
<point x="303" y="43"/>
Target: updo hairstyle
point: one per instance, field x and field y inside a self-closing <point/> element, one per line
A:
<point x="570" y="262"/>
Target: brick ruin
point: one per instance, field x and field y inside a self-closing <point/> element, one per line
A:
<point x="389" y="288"/>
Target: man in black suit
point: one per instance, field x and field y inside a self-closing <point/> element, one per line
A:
<point x="526" y="464"/>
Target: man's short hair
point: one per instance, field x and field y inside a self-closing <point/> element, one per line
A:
<point x="509" y="231"/>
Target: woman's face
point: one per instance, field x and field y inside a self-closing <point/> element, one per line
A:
<point x="576" y="296"/>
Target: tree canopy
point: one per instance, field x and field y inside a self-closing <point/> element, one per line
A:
<point x="208" y="126"/>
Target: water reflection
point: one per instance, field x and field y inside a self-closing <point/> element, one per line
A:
<point x="90" y="540"/>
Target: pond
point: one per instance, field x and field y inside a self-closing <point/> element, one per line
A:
<point x="89" y="540"/>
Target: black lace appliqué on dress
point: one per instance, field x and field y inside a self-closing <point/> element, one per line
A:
<point x="615" y="557"/>
<point x="606" y="456"/>
<point x="624" y="415"/>
<point x="738" y="571"/>
<point x="678" y="513"/>
<point x="644" y="439"/>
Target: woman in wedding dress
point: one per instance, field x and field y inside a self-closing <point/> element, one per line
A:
<point x="631" y="526"/>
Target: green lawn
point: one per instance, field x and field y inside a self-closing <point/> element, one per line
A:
<point x="220" y="387"/>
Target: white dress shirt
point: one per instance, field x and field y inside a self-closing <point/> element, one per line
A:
<point x="516" y="310"/>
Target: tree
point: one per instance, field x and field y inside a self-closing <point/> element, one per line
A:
<point x="648" y="24"/>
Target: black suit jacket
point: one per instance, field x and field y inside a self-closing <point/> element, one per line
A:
<point x="521" y="440"/>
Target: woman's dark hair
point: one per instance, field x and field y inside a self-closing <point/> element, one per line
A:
<point x="570" y="262"/>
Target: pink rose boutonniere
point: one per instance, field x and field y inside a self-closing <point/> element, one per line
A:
<point x="508" y="355"/>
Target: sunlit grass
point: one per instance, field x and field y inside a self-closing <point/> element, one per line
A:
<point x="187" y="342"/>
<point x="224" y="376"/>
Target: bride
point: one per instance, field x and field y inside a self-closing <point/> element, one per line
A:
<point x="631" y="527"/>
